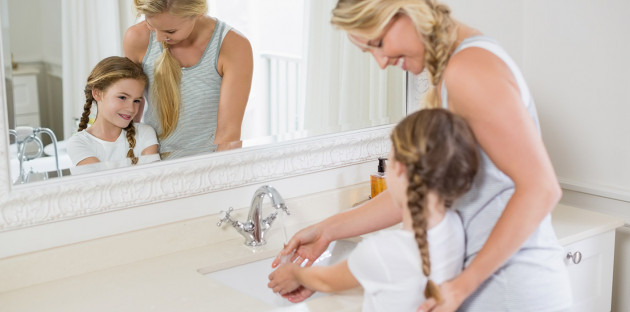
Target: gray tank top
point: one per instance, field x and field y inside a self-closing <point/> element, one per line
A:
<point x="200" y="93"/>
<point x="511" y="287"/>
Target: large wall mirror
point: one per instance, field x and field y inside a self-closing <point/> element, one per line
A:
<point x="316" y="102"/>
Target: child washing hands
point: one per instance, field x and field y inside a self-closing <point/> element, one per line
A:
<point x="433" y="160"/>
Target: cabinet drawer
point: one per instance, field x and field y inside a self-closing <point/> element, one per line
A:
<point x="591" y="271"/>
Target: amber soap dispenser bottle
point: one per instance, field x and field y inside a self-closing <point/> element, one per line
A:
<point x="377" y="180"/>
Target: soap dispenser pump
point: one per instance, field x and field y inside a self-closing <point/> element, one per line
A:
<point x="377" y="180"/>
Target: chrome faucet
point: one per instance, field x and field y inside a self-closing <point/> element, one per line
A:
<point x="256" y="226"/>
<point x="23" y="136"/>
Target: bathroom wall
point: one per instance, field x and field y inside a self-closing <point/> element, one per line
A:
<point x="36" y="43"/>
<point x="576" y="59"/>
<point x="36" y="38"/>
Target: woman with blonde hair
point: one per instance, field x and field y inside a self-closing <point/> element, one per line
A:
<point x="200" y="73"/>
<point x="506" y="214"/>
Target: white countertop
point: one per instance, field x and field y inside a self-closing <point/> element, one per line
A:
<point x="172" y="283"/>
<point x="574" y="224"/>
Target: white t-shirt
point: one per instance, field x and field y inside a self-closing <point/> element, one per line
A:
<point x="388" y="264"/>
<point x="111" y="154"/>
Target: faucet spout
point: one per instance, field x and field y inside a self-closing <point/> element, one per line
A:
<point x="255" y="211"/>
<point x="256" y="226"/>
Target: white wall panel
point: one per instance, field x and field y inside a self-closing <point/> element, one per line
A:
<point x="577" y="63"/>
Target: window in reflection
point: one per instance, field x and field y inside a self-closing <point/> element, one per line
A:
<point x="277" y="32"/>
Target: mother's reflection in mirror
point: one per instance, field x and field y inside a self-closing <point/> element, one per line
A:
<point x="200" y="73"/>
<point x="116" y="86"/>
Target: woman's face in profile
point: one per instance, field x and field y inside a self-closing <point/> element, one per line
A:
<point x="398" y="45"/>
<point x="169" y="28"/>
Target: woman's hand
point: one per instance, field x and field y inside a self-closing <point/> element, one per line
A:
<point x="453" y="295"/>
<point x="307" y="244"/>
<point x="284" y="279"/>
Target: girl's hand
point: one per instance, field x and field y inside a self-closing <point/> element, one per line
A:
<point x="284" y="279"/>
<point x="307" y="244"/>
<point x="298" y="295"/>
<point x="452" y="295"/>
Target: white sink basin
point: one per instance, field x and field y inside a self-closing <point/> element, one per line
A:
<point x="252" y="278"/>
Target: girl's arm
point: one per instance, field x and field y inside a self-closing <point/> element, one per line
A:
<point x="290" y="276"/>
<point x="150" y="150"/>
<point x="235" y="65"/>
<point x="309" y="243"/>
<point x="483" y="90"/>
<point x="87" y="161"/>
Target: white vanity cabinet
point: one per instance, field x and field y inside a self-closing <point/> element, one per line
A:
<point x="26" y="99"/>
<point x="590" y="264"/>
<point x="588" y="239"/>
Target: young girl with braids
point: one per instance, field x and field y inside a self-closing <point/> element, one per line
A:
<point x="432" y="162"/>
<point x="115" y="86"/>
<point x="200" y="74"/>
<point x="506" y="214"/>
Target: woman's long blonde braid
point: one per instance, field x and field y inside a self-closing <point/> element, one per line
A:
<point x="439" y="43"/>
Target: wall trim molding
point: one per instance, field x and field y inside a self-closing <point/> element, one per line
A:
<point x="606" y="191"/>
<point x="75" y="196"/>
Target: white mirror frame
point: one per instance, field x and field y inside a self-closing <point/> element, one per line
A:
<point x="77" y="196"/>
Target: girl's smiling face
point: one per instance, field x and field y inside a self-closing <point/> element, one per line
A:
<point x="398" y="45"/>
<point x="119" y="104"/>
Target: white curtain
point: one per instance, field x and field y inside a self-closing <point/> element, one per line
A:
<point x="91" y="31"/>
<point x="345" y="88"/>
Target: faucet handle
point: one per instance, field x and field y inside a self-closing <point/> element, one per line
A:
<point x="226" y="216"/>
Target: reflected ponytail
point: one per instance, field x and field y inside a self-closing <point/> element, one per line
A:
<point x="166" y="90"/>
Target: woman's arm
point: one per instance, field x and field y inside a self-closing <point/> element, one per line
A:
<point x="309" y="243"/>
<point x="136" y="42"/>
<point x="290" y="276"/>
<point x="235" y="65"/>
<point x="483" y="90"/>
